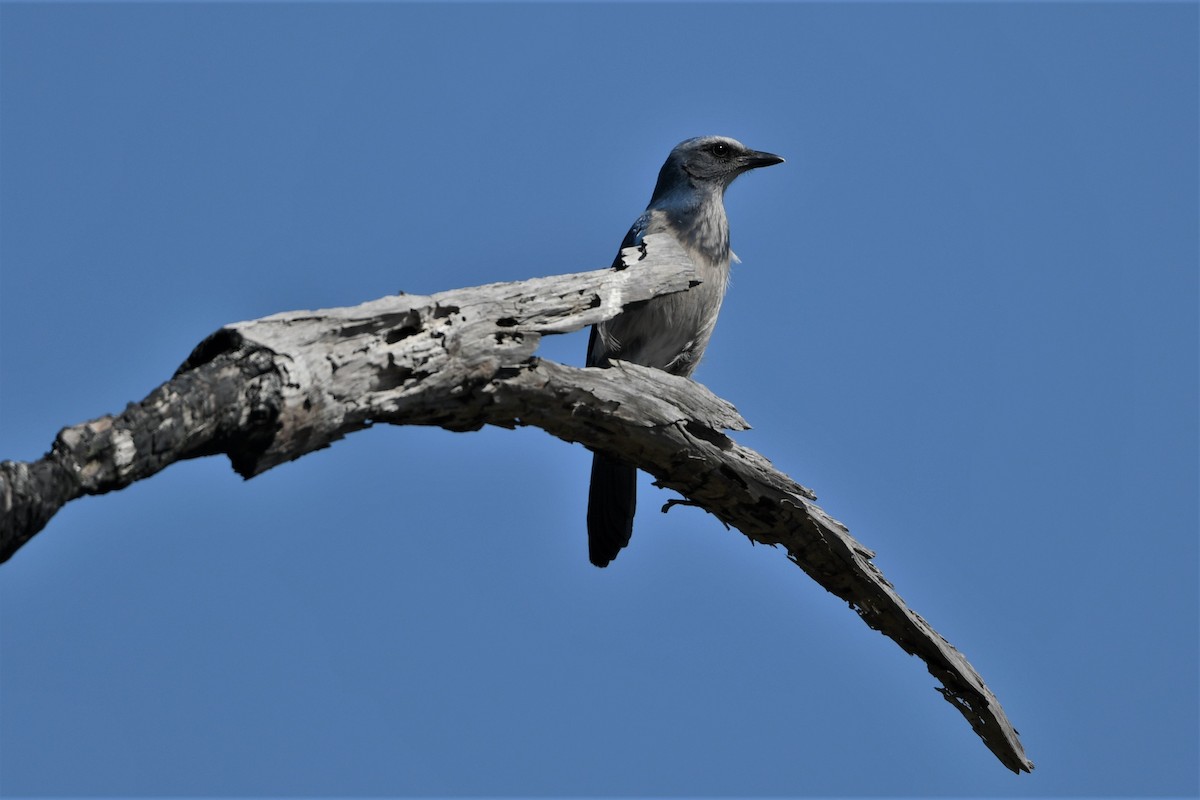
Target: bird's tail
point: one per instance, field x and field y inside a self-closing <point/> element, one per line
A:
<point x="612" y="500"/>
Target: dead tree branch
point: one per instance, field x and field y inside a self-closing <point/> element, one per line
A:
<point x="268" y="391"/>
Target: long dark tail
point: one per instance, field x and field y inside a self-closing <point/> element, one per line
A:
<point x="612" y="500"/>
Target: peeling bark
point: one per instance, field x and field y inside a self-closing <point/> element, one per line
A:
<point x="270" y="390"/>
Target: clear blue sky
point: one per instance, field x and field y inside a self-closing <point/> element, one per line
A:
<point x="966" y="316"/>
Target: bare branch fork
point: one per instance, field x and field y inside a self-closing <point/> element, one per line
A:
<point x="270" y="390"/>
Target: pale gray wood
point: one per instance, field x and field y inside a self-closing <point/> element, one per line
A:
<point x="270" y="390"/>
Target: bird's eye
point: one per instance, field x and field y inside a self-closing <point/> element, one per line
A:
<point x="720" y="150"/>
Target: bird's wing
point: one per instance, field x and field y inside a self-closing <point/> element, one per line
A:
<point x="594" y="358"/>
<point x="634" y="236"/>
<point x="597" y="350"/>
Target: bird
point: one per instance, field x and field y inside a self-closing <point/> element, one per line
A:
<point x="668" y="332"/>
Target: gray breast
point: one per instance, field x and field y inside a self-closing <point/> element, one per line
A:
<point x="671" y="332"/>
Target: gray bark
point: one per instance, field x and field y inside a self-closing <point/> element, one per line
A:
<point x="270" y="390"/>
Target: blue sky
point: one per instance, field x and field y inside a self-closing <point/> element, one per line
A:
<point x="966" y="315"/>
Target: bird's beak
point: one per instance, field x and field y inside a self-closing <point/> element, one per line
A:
<point x="756" y="158"/>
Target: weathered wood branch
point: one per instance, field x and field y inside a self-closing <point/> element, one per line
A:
<point x="268" y="391"/>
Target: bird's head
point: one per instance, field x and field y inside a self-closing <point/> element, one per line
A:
<point x="711" y="161"/>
